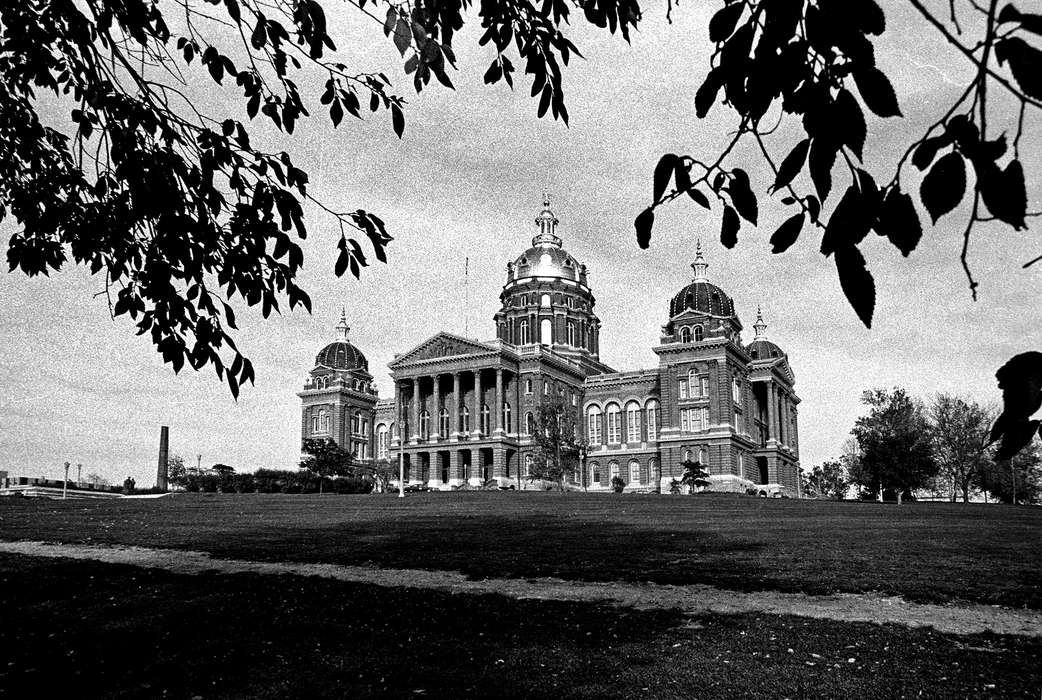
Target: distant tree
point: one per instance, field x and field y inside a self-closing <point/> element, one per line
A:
<point x="97" y="480"/>
<point x="960" y="430"/>
<point x="1016" y="480"/>
<point x="176" y="471"/>
<point x="557" y="443"/>
<point x="617" y="484"/>
<point x="828" y="480"/>
<point x="895" y="443"/>
<point x="381" y="472"/>
<point x="695" y="476"/>
<point x="325" y="459"/>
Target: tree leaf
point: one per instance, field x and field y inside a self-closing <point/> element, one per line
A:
<point x="402" y="35"/>
<point x="849" y="223"/>
<point x="643" y="224"/>
<point x="1024" y="61"/>
<point x="667" y="164"/>
<point x="397" y="119"/>
<point x="706" y="94"/>
<point x="699" y="198"/>
<point x="392" y="18"/>
<point x="1004" y="193"/>
<point x="926" y="151"/>
<point x="1020" y="380"/>
<point x="944" y="186"/>
<point x="787" y="233"/>
<point x="742" y="196"/>
<point x="494" y="73"/>
<point x="899" y="222"/>
<point x="729" y="226"/>
<point x="849" y="122"/>
<point x="868" y="17"/>
<point x="724" y="21"/>
<point x="822" y="158"/>
<point x="857" y="282"/>
<point x="876" y="91"/>
<point x="792" y="164"/>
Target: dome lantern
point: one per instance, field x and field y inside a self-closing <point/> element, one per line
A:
<point x="700" y="266"/>
<point x="342" y="329"/>
<point x="760" y="327"/>
<point x="547" y="223"/>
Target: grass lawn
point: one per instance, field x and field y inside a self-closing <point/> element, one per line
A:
<point x="84" y="629"/>
<point x="925" y="552"/>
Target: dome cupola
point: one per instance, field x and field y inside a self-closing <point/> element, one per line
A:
<point x="700" y="295"/>
<point x="761" y="348"/>
<point x="341" y="354"/>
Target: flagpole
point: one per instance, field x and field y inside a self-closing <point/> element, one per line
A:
<point x="401" y="443"/>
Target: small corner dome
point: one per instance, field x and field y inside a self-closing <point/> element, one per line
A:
<point x="341" y="354"/>
<point x="764" y="350"/>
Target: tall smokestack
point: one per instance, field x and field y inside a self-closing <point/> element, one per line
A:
<point x="164" y="450"/>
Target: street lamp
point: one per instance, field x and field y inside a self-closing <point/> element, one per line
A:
<point x="65" y="484"/>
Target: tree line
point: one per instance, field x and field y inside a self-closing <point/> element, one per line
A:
<point x="904" y="447"/>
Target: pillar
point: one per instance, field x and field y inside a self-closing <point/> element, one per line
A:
<point x="455" y="473"/>
<point x="434" y="470"/>
<point x="414" y="414"/>
<point x="454" y="417"/>
<point x="499" y="464"/>
<point x="496" y="414"/>
<point x="475" y="414"/>
<point x="772" y="410"/>
<point x="436" y="409"/>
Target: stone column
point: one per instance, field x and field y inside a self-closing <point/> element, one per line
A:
<point x="499" y="465"/>
<point x="475" y="416"/>
<point x="496" y="414"/>
<point x="436" y="409"/>
<point x="455" y="474"/>
<point x="454" y="416"/>
<point x="434" y="472"/>
<point x="772" y="410"/>
<point x="414" y="418"/>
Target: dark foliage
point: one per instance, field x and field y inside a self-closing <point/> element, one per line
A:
<point x="177" y="209"/>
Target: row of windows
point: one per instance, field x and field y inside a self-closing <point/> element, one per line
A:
<point x="633" y="472"/>
<point x="576" y="336"/>
<point x="613" y="422"/>
<point x="694" y="385"/>
<point x="689" y="333"/>
<point x="326" y="382"/>
<point x="321" y="423"/>
<point x="544" y="301"/>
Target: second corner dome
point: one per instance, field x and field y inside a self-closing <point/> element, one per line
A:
<point x="701" y="295"/>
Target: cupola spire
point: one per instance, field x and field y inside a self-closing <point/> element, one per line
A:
<point x="760" y="327"/>
<point x="700" y="265"/>
<point x="342" y="329"/>
<point x="547" y="224"/>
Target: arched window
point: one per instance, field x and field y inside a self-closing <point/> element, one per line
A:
<point x="595" y="473"/>
<point x="530" y="423"/>
<point x="544" y="300"/>
<point x="323" y="421"/>
<point x="523" y="332"/>
<point x="612" y="414"/>
<point x="425" y="425"/>
<point x="506" y="417"/>
<point x="632" y="422"/>
<point x="593" y="425"/>
<point x="443" y="423"/>
<point x="685" y="335"/>
<point x="524" y="297"/>
<point x="528" y="466"/>
<point x="653" y="471"/>
<point x="383" y="442"/>
<point x="356" y="423"/>
<point x="485" y="419"/>
<point x="613" y="470"/>
<point x="528" y="386"/>
<point x="634" y="472"/>
<point x="699" y="334"/>
<point x="546" y="332"/>
<point x="571" y="333"/>
<point x="687" y="455"/>
<point x="651" y="418"/>
<point x="465" y="420"/>
<point x="316" y="424"/>
<point x="394" y="430"/>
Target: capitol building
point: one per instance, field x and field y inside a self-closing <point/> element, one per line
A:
<point x="466" y="409"/>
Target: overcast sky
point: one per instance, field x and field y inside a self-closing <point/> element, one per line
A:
<point x="467" y="181"/>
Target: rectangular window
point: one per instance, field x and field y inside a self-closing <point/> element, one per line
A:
<point x="634" y="472"/>
<point x="652" y="423"/>
<point x="613" y="428"/>
<point x="736" y="391"/>
<point x="703" y="383"/>
<point x="683" y="388"/>
<point x="594" y="429"/>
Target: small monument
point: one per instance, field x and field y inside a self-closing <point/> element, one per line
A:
<point x="164" y="451"/>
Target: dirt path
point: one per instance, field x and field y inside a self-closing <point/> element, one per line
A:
<point x="694" y="599"/>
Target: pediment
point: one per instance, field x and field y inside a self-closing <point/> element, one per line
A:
<point x="439" y="346"/>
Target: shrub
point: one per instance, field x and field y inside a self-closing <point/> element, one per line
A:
<point x="617" y="484"/>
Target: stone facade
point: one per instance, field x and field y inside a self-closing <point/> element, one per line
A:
<point x="462" y="409"/>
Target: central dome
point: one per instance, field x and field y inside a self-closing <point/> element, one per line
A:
<point x="546" y="257"/>
<point x="701" y="295"/>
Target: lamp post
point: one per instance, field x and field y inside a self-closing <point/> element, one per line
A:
<point x="65" y="484"/>
<point x="401" y="445"/>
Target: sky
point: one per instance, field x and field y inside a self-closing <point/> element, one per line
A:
<point x="465" y="183"/>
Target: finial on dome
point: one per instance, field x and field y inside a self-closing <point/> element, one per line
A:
<point x="700" y="265"/>
<point x="760" y="327"/>
<point x="342" y="329"/>
<point x="547" y="223"/>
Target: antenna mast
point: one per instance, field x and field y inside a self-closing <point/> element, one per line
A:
<point x="466" y="297"/>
